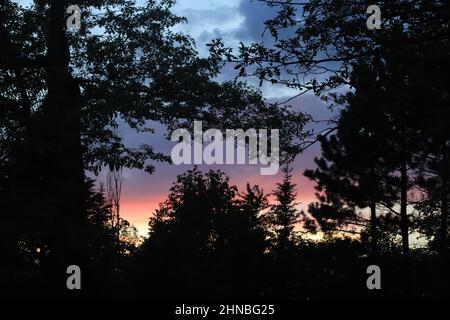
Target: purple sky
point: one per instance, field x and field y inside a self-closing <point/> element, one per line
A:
<point x="142" y="192"/>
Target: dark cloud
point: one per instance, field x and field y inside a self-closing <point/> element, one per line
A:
<point x="253" y="28"/>
<point x="255" y="13"/>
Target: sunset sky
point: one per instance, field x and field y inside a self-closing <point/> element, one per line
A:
<point x="234" y="21"/>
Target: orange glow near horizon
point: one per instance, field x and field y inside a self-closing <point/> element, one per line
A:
<point x="138" y="208"/>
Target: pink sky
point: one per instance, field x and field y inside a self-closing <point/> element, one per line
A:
<point x="138" y="207"/>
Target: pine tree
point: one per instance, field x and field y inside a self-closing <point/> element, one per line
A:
<point x="283" y="215"/>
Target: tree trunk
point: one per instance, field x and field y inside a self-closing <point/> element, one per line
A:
<point x="404" y="225"/>
<point x="443" y="230"/>
<point x="373" y="230"/>
<point x="63" y="174"/>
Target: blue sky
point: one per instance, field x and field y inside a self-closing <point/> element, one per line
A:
<point x="234" y="21"/>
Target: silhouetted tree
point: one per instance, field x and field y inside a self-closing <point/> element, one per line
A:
<point x="357" y="167"/>
<point x="433" y="162"/>
<point x="205" y="239"/>
<point x="283" y="215"/>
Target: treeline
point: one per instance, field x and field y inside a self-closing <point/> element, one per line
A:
<point x="210" y="241"/>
